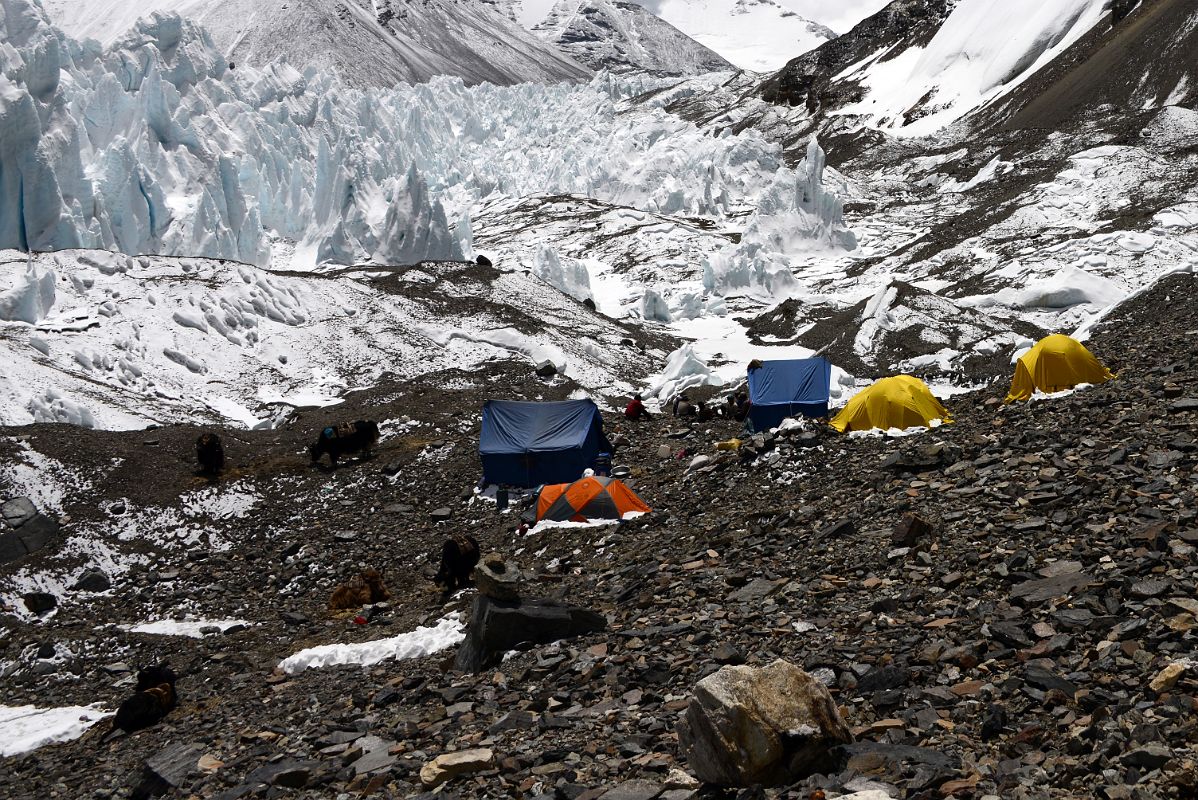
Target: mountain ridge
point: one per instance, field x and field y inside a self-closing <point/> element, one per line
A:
<point x="368" y="43"/>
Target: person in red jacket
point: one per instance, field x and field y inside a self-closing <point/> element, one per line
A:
<point x="635" y="410"/>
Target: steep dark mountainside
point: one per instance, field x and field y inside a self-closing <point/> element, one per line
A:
<point x="1147" y="59"/>
<point x="621" y="36"/>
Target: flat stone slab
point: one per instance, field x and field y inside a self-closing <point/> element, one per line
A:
<point x="633" y="790"/>
<point x="1045" y="589"/>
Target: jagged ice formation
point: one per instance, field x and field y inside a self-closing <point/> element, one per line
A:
<point x="156" y="146"/>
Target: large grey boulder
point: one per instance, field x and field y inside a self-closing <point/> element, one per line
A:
<point x="497" y="626"/>
<point x="18" y="511"/>
<point x="24" y="530"/>
<point x="760" y="725"/>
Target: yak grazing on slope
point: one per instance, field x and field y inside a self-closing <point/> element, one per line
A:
<point x="349" y="437"/>
<point x="155" y="698"/>
<point x="459" y="557"/>
<point x="210" y="454"/>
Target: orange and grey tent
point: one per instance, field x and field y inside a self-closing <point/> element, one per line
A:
<point x="587" y="498"/>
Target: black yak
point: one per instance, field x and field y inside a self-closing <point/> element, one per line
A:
<point x="155" y="697"/>
<point x="459" y="557"/>
<point x="210" y="454"/>
<point x="349" y="437"/>
<point x="362" y="590"/>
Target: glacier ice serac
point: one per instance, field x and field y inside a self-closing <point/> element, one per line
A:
<point x="796" y="215"/>
<point x="156" y="146"/>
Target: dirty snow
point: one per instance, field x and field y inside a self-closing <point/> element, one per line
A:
<point x="193" y="628"/>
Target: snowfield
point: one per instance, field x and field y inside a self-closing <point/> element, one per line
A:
<point x="25" y="728"/>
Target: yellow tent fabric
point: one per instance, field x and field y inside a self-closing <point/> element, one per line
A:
<point x="1056" y="363"/>
<point x="899" y="402"/>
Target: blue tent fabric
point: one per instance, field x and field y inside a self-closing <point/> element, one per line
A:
<point x="530" y="444"/>
<point x="781" y="389"/>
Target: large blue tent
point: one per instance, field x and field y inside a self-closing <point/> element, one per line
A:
<point x="529" y="444"/>
<point x="788" y="388"/>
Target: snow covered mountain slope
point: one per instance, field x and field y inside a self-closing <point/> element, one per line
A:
<point x="479" y="43"/>
<point x="366" y="42"/>
<point x="120" y="342"/>
<point x="918" y="67"/>
<point x="1145" y="60"/>
<point x="982" y="51"/>
<point x="621" y="36"/>
<point x="757" y="35"/>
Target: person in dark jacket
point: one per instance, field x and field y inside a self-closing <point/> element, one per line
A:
<point x="742" y="406"/>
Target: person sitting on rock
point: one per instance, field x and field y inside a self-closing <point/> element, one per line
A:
<point x="683" y="407"/>
<point x="635" y="410"/>
<point x="742" y="406"/>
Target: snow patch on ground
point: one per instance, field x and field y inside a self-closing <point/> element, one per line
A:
<point x="25" y="728"/>
<point x="43" y="480"/>
<point x="217" y="504"/>
<point x="548" y="524"/>
<point x="193" y="628"/>
<point x="423" y="641"/>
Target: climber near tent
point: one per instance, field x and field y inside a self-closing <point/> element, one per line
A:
<point x="1054" y="364"/>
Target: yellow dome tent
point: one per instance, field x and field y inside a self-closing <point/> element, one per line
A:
<point x="1056" y="363"/>
<point x="898" y="402"/>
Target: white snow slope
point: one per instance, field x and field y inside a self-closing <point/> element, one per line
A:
<point x="757" y="35"/>
<point x="621" y="36"/>
<point x="366" y="42"/>
<point x="982" y="51"/>
<point x="129" y="341"/>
